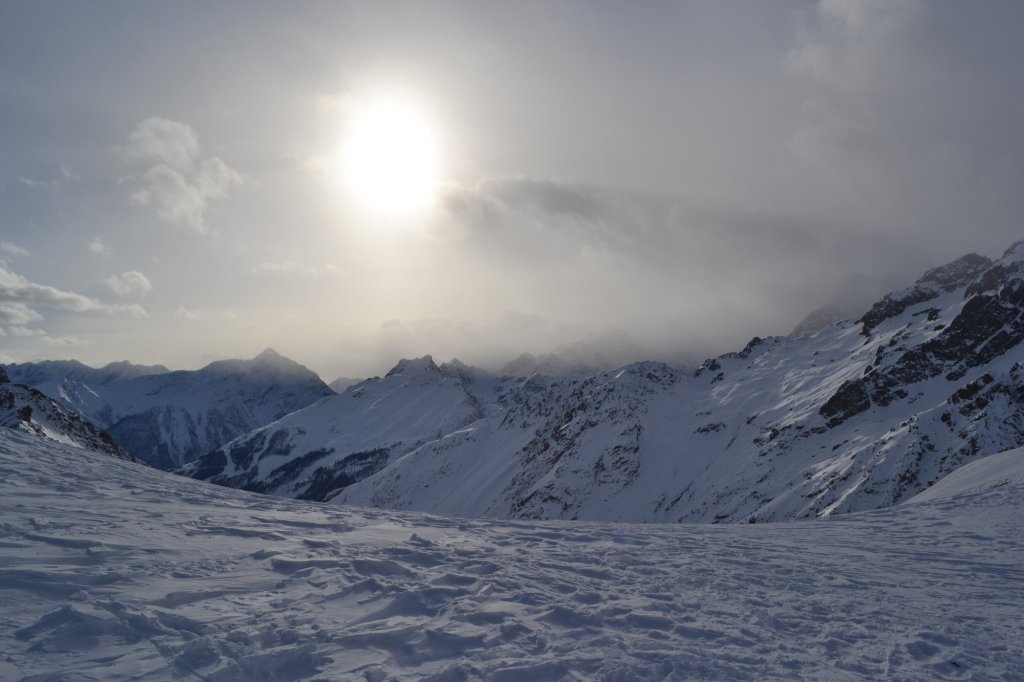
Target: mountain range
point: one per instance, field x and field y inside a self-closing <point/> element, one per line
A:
<point x="167" y="418"/>
<point x="859" y="415"/>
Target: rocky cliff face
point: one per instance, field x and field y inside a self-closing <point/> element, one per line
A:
<point x="858" y="416"/>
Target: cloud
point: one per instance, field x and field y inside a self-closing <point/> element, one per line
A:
<point x="178" y="181"/>
<point x="17" y="290"/>
<point x="99" y="248"/>
<point x="23" y="331"/>
<point x="18" y="313"/>
<point x="198" y="315"/>
<point x="910" y="120"/>
<point x="50" y="185"/>
<point x="12" y="249"/>
<point x="681" y="276"/>
<point x="44" y="338"/>
<point x="130" y="283"/>
<point x="68" y="174"/>
<point x="848" y="44"/>
<point x="160" y="140"/>
<point x="61" y="341"/>
<point x="289" y="266"/>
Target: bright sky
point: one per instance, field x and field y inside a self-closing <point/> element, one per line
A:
<point x="352" y="183"/>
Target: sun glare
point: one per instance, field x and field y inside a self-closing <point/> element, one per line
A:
<point x="390" y="157"/>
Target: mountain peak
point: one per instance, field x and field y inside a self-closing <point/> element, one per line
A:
<point x="1016" y="249"/>
<point x="414" y="366"/>
<point x="268" y="354"/>
<point x="270" y="358"/>
<point x="458" y="369"/>
<point x="957" y="273"/>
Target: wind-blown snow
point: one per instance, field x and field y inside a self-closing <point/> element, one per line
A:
<point x="110" y="570"/>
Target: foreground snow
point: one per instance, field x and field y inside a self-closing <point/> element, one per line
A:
<point x="110" y="571"/>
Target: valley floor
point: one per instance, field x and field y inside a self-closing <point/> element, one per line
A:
<point x="109" y="571"/>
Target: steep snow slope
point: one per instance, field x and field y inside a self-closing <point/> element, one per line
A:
<point x="168" y="418"/>
<point x="113" y="571"/>
<point x="29" y="411"/>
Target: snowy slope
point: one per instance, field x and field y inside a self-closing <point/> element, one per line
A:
<point x="29" y="411"/>
<point x="168" y="418"/>
<point x="858" y="416"/>
<point x="112" y="571"/>
<point x="980" y="476"/>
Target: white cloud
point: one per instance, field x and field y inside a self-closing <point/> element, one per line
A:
<point x="286" y="266"/>
<point x="160" y="140"/>
<point x="45" y="338"/>
<point x="17" y="290"/>
<point x="18" y="313"/>
<point x="59" y="341"/>
<point x="130" y="283"/>
<point x="40" y="184"/>
<point x="189" y="314"/>
<point x="12" y="249"/>
<point x="68" y="174"/>
<point x="178" y="182"/>
<point x="196" y="315"/>
<point x="99" y="248"/>
<point x="22" y="331"/>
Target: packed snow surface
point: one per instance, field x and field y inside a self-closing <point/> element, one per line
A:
<point x="110" y="570"/>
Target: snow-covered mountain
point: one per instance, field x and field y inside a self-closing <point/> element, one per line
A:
<point x="858" y="416"/>
<point x="344" y="438"/>
<point x="341" y="383"/>
<point x="168" y="418"/>
<point x="30" y="411"/>
<point x="89" y="391"/>
<point x="113" y="571"/>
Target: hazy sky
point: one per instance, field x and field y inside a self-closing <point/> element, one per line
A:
<point x="691" y="173"/>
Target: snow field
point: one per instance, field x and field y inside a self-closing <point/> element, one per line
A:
<point x="111" y="571"/>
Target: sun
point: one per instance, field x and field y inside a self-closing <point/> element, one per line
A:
<point x="389" y="157"/>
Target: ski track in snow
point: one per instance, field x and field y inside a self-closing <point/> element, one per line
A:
<point x="110" y="571"/>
